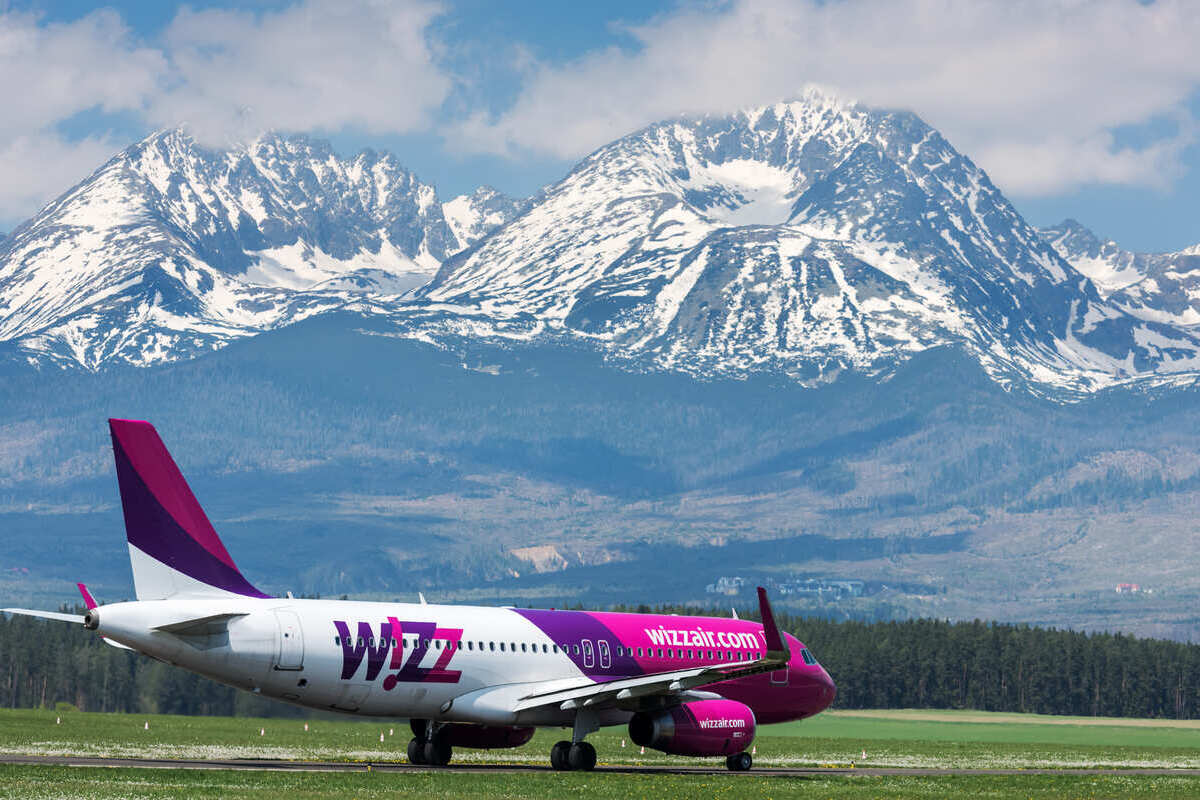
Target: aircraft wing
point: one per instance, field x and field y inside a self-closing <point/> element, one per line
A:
<point x="667" y="683"/>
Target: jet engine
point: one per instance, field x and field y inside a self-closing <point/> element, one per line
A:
<point x="698" y="728"/>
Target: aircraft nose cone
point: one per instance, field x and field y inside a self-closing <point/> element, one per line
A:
<point x="828" y="690"/>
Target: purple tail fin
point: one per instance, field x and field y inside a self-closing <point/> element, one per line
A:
<point x="172" y="545"/>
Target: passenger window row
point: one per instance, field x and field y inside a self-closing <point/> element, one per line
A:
<point x="573" y="649"/>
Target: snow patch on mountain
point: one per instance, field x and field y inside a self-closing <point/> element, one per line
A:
<point x="745" y="192"/>
<point x="473" y="216"/>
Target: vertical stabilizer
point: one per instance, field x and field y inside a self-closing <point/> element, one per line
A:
<point x="172" y="546"/>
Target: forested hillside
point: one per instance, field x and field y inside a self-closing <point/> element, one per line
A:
<point x="917" y="664"/>
<point x="530" y="475"/>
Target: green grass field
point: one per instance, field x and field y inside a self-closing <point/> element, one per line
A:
<point x="902" y="739"/>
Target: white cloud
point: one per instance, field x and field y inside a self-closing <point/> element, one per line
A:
<point x="316" y="65"/>
<point x="48" y="73"/>
<point x="51" y="72"/>
<point x="320" y="65"/>
<point x="1032" y="90"/>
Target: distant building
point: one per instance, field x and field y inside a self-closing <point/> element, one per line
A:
<point x="1128" y="588"/>
<point x="727" y="584"/>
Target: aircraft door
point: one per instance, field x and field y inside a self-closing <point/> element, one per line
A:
<point x="290" y="653"/>
<point x="779" y="677"/>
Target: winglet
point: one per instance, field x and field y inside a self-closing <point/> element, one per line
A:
<point x="776" y="648"/>
<point x="88" y="601"/>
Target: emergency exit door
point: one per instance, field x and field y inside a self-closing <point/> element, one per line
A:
<point x="291" y="641"/>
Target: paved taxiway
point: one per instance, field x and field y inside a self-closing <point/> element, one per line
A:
<point x="394" y="766"/>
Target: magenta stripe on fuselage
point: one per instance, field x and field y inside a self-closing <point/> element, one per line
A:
<point x="709" y="639"/>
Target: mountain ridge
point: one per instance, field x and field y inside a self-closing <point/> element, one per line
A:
<point x="170" y="249"/>
<point x="811" y="239"/>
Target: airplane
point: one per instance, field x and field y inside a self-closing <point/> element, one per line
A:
<point x="464" y="676"/>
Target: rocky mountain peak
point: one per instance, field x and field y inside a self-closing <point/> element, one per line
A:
<point x="185" y="246"/>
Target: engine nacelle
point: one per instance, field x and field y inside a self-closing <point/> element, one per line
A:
<point x="699" y="728"/>
<point x="481" y="737"/>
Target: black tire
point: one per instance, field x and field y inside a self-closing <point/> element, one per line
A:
<point x="437" y="752"/>
<point x="582" y="756"/>
<point x="416" y="752"/>
<point x="558" y="755"/>
<point x="739" y="762"/>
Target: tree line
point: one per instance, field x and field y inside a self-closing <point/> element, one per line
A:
<point x="911" y="664"/>
<point x="993" y="667"/>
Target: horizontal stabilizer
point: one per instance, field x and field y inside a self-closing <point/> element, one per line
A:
<point x="89" y="602"/>
<point x="29" y="612"/>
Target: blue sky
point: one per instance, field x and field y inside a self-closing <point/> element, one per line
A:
<point x="1084" y="110"/>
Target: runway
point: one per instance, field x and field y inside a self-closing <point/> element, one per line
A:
<point x="266" y="765"/>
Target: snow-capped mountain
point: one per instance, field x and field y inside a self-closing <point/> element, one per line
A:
<point x="171" y="247"/>
<point x="1161" y="287"/>
<point x="806" y="237"/>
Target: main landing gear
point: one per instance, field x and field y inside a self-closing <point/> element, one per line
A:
<point x="428" y="745"/>
<point x="577" y="754"/>
<point x="739" y="762"/>
<point x="580" y="756"/>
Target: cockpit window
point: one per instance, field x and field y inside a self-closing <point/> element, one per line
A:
<point x="807" y="656"/>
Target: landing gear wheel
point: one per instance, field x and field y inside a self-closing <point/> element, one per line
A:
<point x="582" y="756"/>
<point x="416" y="751"/>
<point x="558" y="755"/>
<point x="739" y="762"/>
<point x="437" y="752"/>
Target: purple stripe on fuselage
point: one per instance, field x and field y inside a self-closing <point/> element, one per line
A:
<point x="155" y="532"/>
<point x="569" y="629"/>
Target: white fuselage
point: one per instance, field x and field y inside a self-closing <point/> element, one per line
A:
<point x="292" y="650"/>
